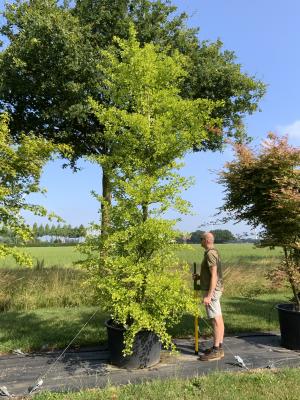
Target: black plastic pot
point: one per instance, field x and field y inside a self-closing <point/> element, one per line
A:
<point x="146" y="348"/>
<point x="289" y="321"/>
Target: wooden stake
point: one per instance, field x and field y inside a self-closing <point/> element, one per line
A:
<point x="196" y="322"/>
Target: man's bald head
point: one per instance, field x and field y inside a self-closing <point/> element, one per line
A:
<point x="207" y="239"/>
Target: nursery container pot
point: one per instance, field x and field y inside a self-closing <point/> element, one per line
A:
<point x="146" y="348"/>
<point x="289" y="321"/>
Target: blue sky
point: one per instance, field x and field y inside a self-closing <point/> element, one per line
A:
<point x="265" y="37"/>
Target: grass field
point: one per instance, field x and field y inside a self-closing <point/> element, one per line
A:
<point x="232" y="254"/>
<point x="48" y="305"/>
<point x="63" y="256"/>
<point x="240" y="254"/>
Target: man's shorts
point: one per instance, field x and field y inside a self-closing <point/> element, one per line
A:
<point x="214" y="308"/>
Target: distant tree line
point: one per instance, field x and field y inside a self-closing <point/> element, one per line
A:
<point x="59" y="231"/>
<point x="221" y="236"/>
<point x="54" y="233"/>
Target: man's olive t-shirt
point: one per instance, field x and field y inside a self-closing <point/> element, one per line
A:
<point x="211" y="258"/>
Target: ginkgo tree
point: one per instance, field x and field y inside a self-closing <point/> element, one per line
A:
<point x="148" y="127"/>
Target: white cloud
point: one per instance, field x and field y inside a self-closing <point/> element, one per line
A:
<point x="292" y="130"/>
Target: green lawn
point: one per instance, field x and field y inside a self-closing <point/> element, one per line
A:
<point x="258" y="385"/>
<point x="33" y="329"/>
<point x="63" y="256"/>
<point x="232" y="254"/>
<point x="54" y="327"/>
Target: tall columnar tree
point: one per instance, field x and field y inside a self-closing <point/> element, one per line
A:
<point x="20" y="169"/>
<point x="81" y="231"/>
<point x="41" y="230"/>
<point x="148" y="125"/>
<point x="49" y="69"/>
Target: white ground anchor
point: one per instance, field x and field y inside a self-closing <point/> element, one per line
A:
<point x="32" y="389"/>
<point x="241" y="363"/>
<point x="3" y="389"/>
<point x="239" y="360"/>
<point x="19" y="352"/>
<point x="4" y="392"/>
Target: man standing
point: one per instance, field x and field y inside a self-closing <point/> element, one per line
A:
<point x="211" y="282"/>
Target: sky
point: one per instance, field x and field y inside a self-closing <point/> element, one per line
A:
<point x="264" y="34"/>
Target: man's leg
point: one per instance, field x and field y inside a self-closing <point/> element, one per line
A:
<point x="218" y="327"/>
<point x="214" y="313"/>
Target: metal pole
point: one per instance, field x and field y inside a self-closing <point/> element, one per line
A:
<point x="196" y="316"/>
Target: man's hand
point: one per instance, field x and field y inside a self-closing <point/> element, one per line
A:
<point x="207" y="300"/>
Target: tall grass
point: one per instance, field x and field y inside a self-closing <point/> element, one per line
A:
<point x="30" y="289"/>
<point x="54" y="283"/>
<point x="245" y="267"/>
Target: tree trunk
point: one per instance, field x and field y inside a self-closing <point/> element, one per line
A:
<point x="105" y="205"/>
<point x="295" y="255"/>
<point x="145" y="211"/>
<point x="295" y="292"/>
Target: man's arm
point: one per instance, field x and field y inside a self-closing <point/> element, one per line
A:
<point x="212" y="285"/>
